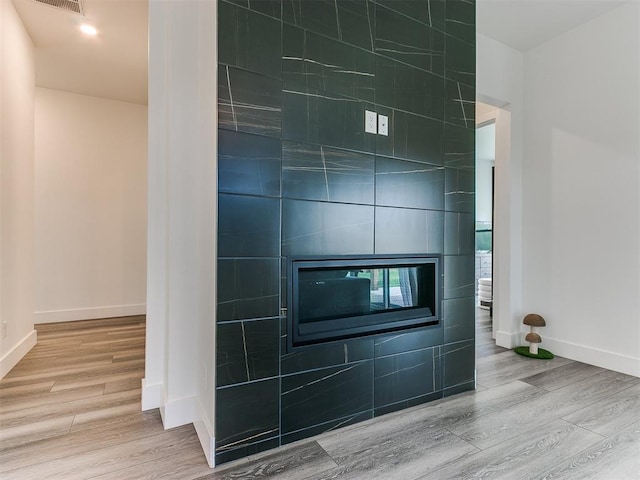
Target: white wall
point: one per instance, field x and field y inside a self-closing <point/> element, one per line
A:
<point x="90" y="207"/>
<point x="17" y="81"/>
<point x="581" y="191"/>
<point x="180" y="356"/>
<point x="485" y="158"/>
<point x="500" y="82"/>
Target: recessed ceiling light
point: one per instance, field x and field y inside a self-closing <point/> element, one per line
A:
<point x="88" y="29"/>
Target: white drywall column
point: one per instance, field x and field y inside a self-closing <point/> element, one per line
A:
<point x="581" y="190"/>
<point x="17" y="91"/>
<point x="500" y="83"/>
<point x="179" y="376"/>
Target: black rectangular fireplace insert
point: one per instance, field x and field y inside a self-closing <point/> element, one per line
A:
<point x="332" y="298"/>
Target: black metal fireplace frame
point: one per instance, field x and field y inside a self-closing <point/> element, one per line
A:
<point x="365" y="325"/>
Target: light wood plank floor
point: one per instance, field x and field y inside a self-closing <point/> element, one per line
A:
<point x="71" y="410"/>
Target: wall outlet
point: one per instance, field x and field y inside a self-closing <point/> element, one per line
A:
<point x="370" y="122"/>
<point x="5" y="329"/>
<point x="383" y="125"/>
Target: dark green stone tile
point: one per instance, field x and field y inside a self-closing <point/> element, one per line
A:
<point x="459" y="233"/>
<point x="403" y="230"/>
<point x="250" y="288"/>
<point x="460" y="18"/>
<point x="318" y="117"/>
<point x="246" y="414"/>
<point x="407" y="88"/>
<point x="417" y="339"/>
<point x="458" y="363"/>
<point x="319" y="16"/>
<point x="459" y="319"/>
<point x="320" y="396"/>
<point x="327" y="355"/>
<point x="356" y="23"/>
<point x="350" y="21"/>
<point x="326" y="427"/>
<point x="459" y="276"/>
<point x="316" y="62"/>
<point x="400" y="37"/>
<point x="404" y="404"/>
<point x="459" y="146"/>
<point x="461" y="61"/>
<point x="314" y="172"/>
<point x="459" y="189"/>
<point x="243" y="451"/>
<point x="247" y="350"/>
<point x="460" y="104"/>
<point x="403" y="377"/>
<point x="400" y="183"/>
<point x="249" y="102"/>
<point x="248" y="40"/>
<point x="429" y="12"/>
<point x="412" y="137"/>
<point x="320" y="228"/>
<point x="248" y="226"/>
<point x="248" y="164"/>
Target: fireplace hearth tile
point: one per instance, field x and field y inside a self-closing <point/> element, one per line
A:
<point x="246" y="414"/>
<point x="404" y="404"/>
<point x="458" y="363"/>
<point x="327" y="355"/>
<point x="405" y="342"/>
<point x="404" y="376"/>
<point x="245" y="450"/>
<point x="326" y="427"/>
<point x="319" y="396"/>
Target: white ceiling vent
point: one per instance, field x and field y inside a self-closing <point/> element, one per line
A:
<point x="73" y="6"/>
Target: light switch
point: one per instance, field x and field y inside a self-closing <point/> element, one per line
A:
<point x="383" y="125"/>
<point x="370" y="122"/>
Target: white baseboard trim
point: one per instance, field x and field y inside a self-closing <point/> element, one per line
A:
<point x="204" y="429"/>
<point x="508" y="339"/>
<point x="177" y="412"/>
<point x="592" y="356"/>
<point x="152" y="395"/>
<point x="15" y="354"/>
<point x="89" y="313"/>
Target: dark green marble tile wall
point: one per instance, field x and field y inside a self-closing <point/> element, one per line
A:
<point x="297" y="175"/>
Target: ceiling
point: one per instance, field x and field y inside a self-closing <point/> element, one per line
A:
<point x="525" y="24"/>
<point x="114" y="63"/>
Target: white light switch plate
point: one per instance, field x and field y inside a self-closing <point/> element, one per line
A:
<point x="370" y="122"/>
<point x="383" y="125"/>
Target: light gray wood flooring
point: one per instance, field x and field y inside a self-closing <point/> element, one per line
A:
<point x="71" y="410"/>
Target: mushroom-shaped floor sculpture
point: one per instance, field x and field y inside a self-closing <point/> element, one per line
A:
<point x="534" y="321"/>
<point x="533" y="339"/>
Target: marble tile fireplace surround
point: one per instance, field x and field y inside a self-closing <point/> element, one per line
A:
<point x="299" y="179"/>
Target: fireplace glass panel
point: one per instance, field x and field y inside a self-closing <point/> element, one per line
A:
<point x="344" y="298"/>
